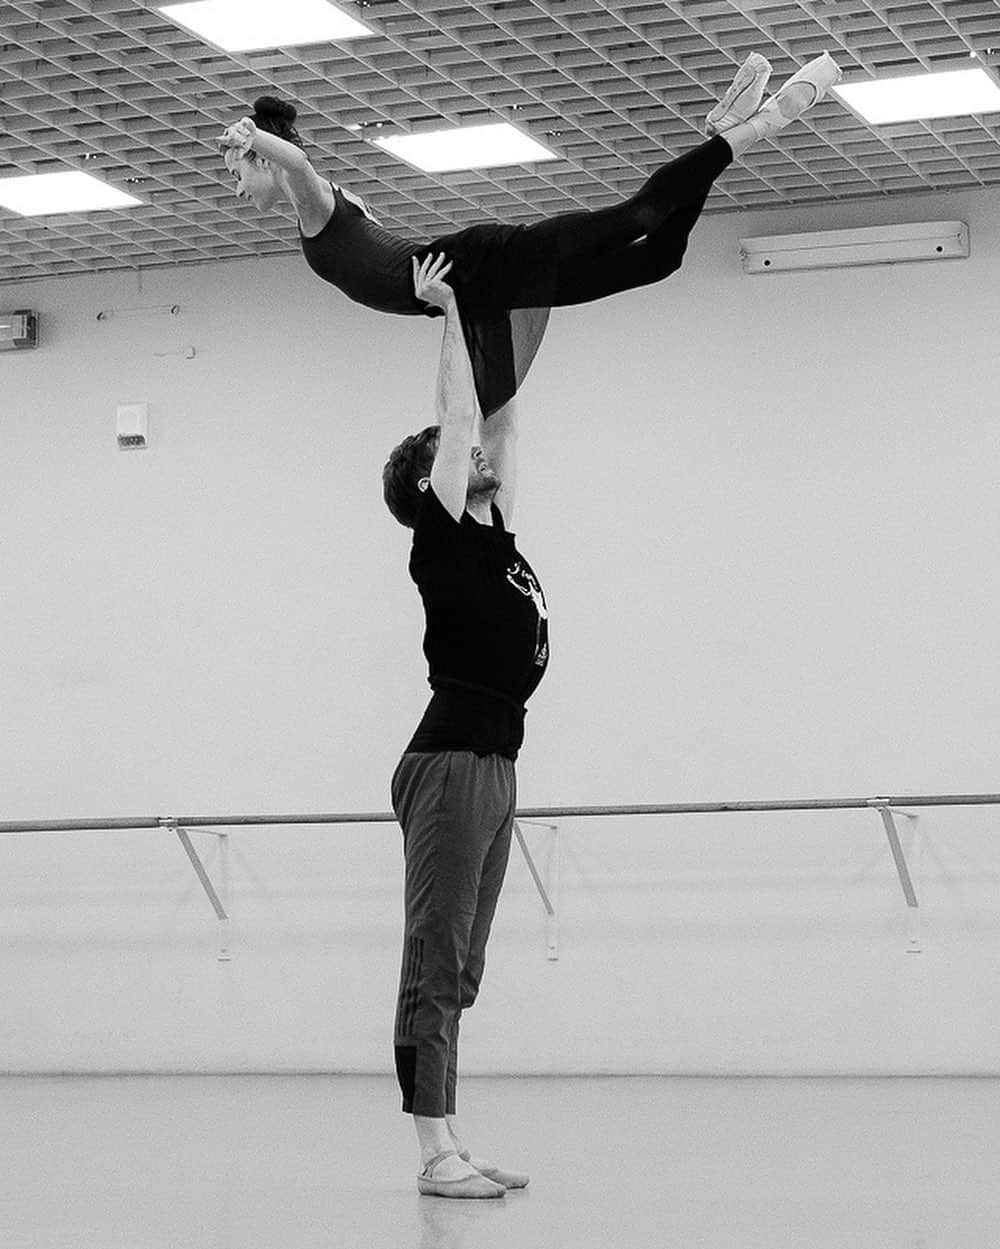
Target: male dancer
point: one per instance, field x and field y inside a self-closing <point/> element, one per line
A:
<point x="454" y="789"/>
<point x="486" y="643"/>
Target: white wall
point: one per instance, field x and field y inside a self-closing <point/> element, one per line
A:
<point x="765" y="514"/>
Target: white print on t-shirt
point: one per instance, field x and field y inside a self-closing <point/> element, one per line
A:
<point x="523" y="580"/>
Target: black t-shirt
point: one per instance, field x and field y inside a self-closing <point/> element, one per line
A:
<point x="486" y="641"/>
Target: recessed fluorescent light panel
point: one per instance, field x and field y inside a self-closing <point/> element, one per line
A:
<point x="246" y="25"/>
<point x="470" y="147"/>
<point x="920" y="97"/>
<point x="37" y="194"/>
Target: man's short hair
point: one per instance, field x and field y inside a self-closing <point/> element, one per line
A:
<point x="411" y="460"/>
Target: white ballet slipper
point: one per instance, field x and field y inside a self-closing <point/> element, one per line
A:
<point x="820" y="74"/>
<point x="743" y="98"/>
<point x="467" y="1186"/>
<point x="509" y="1179"/>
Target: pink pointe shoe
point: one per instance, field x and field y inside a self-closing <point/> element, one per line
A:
<point x="743" y="98"/>
<point x="468" y="1186"/>
<point x="820" y="74"/>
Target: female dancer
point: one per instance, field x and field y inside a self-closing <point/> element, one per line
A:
<point x="506" y="278"/>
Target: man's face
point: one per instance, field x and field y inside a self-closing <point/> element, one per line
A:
<point x="482" y="478"/>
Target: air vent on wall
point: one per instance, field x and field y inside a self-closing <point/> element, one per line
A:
<point x="133" y="426"/>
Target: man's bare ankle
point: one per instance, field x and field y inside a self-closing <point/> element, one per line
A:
<point x="433" y="1136"/>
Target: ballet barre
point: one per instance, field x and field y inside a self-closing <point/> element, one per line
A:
<point x="887" y="809"/>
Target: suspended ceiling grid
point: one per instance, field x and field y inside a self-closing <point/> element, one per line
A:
<point x="114" y="88"/>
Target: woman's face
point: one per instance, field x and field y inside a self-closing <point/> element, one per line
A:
<point x="255" y="179"/>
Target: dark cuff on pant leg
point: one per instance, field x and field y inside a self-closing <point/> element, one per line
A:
<point x="406" y="1074"/>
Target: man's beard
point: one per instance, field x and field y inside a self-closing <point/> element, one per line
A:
<point x="484" y="484"/>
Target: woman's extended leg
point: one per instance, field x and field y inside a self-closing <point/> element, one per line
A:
<point x="584" y="238"/>
<point x="609" y="250"/>
<point x="576" y="258"/>
<point x="649" y="260"/>
<point x="579" y="257"/>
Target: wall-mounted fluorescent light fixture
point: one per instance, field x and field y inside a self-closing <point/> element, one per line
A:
<point x="248" y="25"/>
<point x="34" y="195"/>
<point x="468" y="147"/>
<point x="921" y="97"/>
<point x="875" y="245"/>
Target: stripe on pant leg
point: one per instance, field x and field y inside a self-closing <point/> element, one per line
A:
<point x="409" y="996"/>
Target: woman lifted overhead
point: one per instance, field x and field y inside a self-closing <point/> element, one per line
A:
<point x="506" y="278"/>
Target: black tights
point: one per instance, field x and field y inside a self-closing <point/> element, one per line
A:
<point x="573" y="259"/>
<point x="639" y="241"/>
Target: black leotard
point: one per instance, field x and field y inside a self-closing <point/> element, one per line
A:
<point x="493" y="265"/>
<point x="506" y="278"/>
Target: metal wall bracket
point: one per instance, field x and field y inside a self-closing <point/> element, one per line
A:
<point x="223" y="951"/>
<point x="548" y="892"/>
<point x="886" y="811"/>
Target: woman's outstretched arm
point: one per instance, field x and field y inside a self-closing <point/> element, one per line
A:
<point x="243" y="136"/>
<point x="311" y="195"/>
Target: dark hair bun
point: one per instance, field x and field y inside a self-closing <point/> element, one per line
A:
<point x="280" y="110"/>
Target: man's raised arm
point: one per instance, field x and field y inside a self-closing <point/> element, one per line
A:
<point x="456" y="402"/>
<point x="458" y="405"/>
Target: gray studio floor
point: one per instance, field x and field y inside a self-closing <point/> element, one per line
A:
<point x="303" y="1162"/>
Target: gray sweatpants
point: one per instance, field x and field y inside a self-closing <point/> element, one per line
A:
<point x="456" y="810"/>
